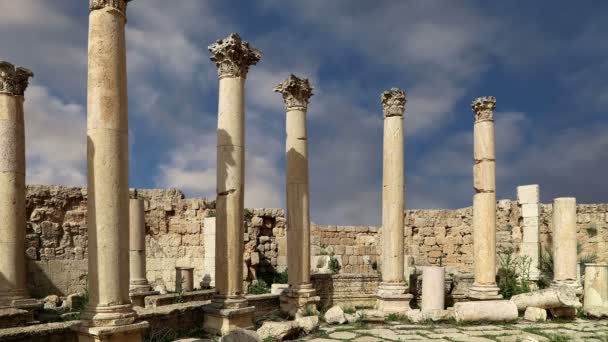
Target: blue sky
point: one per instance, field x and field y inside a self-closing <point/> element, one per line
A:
<point x="546" y="63"/>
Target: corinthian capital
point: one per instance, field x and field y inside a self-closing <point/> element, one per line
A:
<point x="393" y="102"/>
<point x="484" y="108"/>
<point x="120" y="5"/>
<point x="296" y="92"/>
<point x="13" y="80"/>
<point x="233" y="56"/>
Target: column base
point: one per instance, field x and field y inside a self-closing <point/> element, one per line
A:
<point x="574" y="284"/>
<point x="220" y="322"/>
<point x="484" y="292"/>
<point x="296" y="300"/>
<point x="108" y="316"/>
<point x="391" y="298"/>
<point x="123" y="333"/>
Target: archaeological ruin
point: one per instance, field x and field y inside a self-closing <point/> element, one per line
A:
<point x="107" y="262"/>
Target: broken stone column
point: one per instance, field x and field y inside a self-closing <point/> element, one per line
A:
<point x="484" y="201"/>
<point x="13" y="288"/>
<point x="108" y="179"/>
<point x="553" y="297"/>
<point x="433" y="288"/>
<point x="300" y="295"/>
<point x="392" y="288"/>
<point x="229" y="309"/>
<point x="596" y="286"/>
<point x="528" y="200"/>
<point x="564" y="243"/>
<point x="489" y="310"/>
<point x="184" y="279"/>
<point x="139" y="287"/>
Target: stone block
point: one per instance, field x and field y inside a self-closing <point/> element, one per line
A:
<point x="535" y="314"/>
<point x="527" y="194"/>
<point x="530" y="210"/>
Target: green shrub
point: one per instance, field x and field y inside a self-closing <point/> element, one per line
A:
<point x="513" y="273"/>
<point x="258" y="287"/>
<point x="349" y="310"/>
<point x="334" y="264"/>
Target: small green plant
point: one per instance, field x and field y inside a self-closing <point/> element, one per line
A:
<point x="269" y="339"/>
<point x="310" y="310"/>
<point x="360" y="321"/>
<point x="334" y="264"/>
<point x="513" y="274"/>
<point x="247" y="214"/>
<point x="349" y="310"/>
<point x="393" y="317"/>
<point x="211" y="213"/>
<point x="259" y="287"/>
<point x="281" y="277"/>
<point x="180" y="292"/>
<point x="591" y="230"/>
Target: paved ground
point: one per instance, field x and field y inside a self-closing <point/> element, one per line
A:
<point x="593" y="331"/>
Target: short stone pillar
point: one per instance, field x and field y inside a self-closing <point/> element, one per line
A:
<point x="484" y="201"/>
<point x="184" y="279"/>
<point x="392" y="296"/>
<point x="139" y="287"/>
<point x="109" y="314"/>
<point x="433" y="288"/>
<point x="208" y="280"/>
<point x="229" y="308"/>
<point x="596" y="286"/>
<point x="564" y="243"/>
<point x="528" y="200"/>
<point x="13" y="288"/>
<point x="300" y="295"/>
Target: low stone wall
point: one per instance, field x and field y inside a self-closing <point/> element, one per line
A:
<point x="175" y="298"/>
<point x="265" y="304"/>
<point x="50" y="332"/>
<point x="346" y="289"/>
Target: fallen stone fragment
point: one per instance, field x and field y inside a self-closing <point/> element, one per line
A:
<point x="567" y="312"/>
<point x="308" y="324"/>
<point x="278" y="330"/>
<point x="535" y="314"/>
<point x="335" y="315"/>
<point x="553" y="297"/>
<point x="241" y="335"/>
<point x="489" y="310"/>
<point x="596" y="311"/>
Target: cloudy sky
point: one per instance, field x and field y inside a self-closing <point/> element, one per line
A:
<point x="546" y="64"/>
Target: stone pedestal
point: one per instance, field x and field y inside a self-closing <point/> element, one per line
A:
<point x="596" y="286"/>
<point x="233" y="56"/>
<point x="392" y="295"/>
<point x="123" y="333"/>
<point x="564" y="243"/>
<point x="184" y="279"/>
<point x="108" y="175"/>
<point x="528" y="199"/>
<point x="221" y="321"/>
<point x="300" y="295"/>
<point x="433" y="288"/>
<point x="13" y="82"/>
<point x="484" y="201"/>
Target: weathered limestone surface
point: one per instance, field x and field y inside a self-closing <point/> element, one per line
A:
<point x="554" y="297"/>
<point x="13" y="82"/>
<point x="484" y="200"/>
<point x="535" y="314"/>
<point x="528" y="198"/>
<point x="137" y="247"/>
<point x="433" y="288"/>
<point x="488" y="310"/>
<point x="596" y="286"/>
<point x="565" y="254"/>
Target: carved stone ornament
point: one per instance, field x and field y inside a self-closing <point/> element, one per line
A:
<point x="484" y="108"/>
<point x="233" y="56"/>
<point x="296" y="92"/>
<point x="13" y="80"/>
<point x="120" y="5"/>
<point x="393" y="102"/>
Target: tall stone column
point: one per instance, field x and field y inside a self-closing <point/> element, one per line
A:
<point x="528" y="200"/>
<point x="484" y="201"/>
<point x="13" y="288"/>
<point x="391" y="291"/>
<point x="139" y="287"/>
<point x="233" y="57"/>
<point x="109" y="304"/>
<point x="296" y="94"/>
<point x="564" y="243"/>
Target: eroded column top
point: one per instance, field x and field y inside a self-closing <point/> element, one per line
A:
<point x="393" y="102"/>
<point x="484" y="108"/>
<point x="13" y="80"/>
<point x="233" y="56"/>
<point x="119" y="5"/>
<point x="296" y="92"/>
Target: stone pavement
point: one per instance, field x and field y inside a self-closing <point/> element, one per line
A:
<point x="579" y="330"/>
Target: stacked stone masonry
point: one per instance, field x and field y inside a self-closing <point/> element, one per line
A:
<point x="56" y="238"/>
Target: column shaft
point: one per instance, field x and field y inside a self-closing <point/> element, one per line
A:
<point x="528" y="200"/>
<point x="230" y="188"/>
<point x="137" y="246"/>
<point x="108" y="170"/>
<point x="298" y="212"/>
<point x="564" y="241"/>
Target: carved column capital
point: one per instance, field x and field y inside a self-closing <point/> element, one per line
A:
<point x="119" y="5"/>
<point x="296" y="92"/>
<point x="484" y="108"/>
<point x="233" y="56"/>
<point x="13" y="80"/>
<point x="393" y="102"/>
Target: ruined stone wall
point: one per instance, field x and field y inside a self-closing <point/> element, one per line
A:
<point x="175" y="236"/>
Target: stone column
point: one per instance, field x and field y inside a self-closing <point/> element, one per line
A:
<point x="296" y="94"/>
<point x="433" y="288"/>
<point x="528" y="200"/>
<point x="564" y="243"/>
<point x="233" y="57"/>
<point x="596" y="286"/>
<point x="139" y="287"/>
<point x="108" y="178"/>
<point x="484" y="201"/>
<point x="13" y="288"/>
<point x="391" y="291"/>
